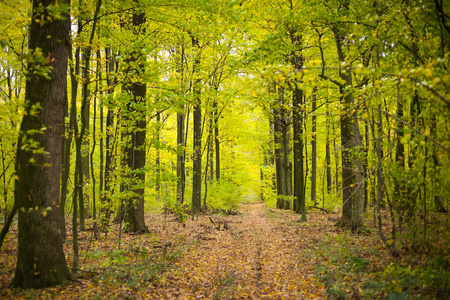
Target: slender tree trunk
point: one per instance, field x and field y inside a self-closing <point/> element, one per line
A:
<point x="181" y="158"/>
<point x="216" y="139"/>
<point x="277" y="132"/>
<point x="85" y="144"/>
<point x="314" y="149"/>
<point x="299" y="194"/>
<point x="197" y="143"/>
<point x="208" y="157"/>
<point x="328" y="154"/>
<point x="74" y="72"/>
<point x="366" y="165"/>
<point x="41" y="260"/>
<point x="7" y="224"/>
<point x="85" y="123"/>
<point x="158" y="158"/>
<point x="109" y="144"/>
<point x="85" y="111"/>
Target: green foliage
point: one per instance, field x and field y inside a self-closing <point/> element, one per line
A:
<point x="346" y="270"/>
<point x="224" y="194"/>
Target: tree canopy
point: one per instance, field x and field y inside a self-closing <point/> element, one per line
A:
<point x="111" y="110"/>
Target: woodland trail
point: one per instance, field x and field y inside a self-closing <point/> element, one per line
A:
<point x="260" y="255"/>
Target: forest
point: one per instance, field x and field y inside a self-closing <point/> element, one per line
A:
<point x="225" y="149"/>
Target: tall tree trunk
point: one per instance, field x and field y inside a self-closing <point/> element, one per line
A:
<point x="299" y="194"/>
<point x="216" y="139"/>
<point x="181" y="177"/>
<point x="208" y="157"/>
<point x="158" y="157"/>
<point x="281" y="129"/>
<point x="135" y="135"/>
<point x="197" y="143"/>
<point x="352" y="181"/>
<point x="40" y="260"/>
<point x="314" y="148"/>
<point x="278" y="151"/>
<point x="68" y="141"/>
<point x="328" y="154"/>
<point x="85" y="124"/>
<point x="109" y="144"/>
<point x="181" y="158"/>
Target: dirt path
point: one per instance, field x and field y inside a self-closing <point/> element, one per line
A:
<point x="258" y="255"/>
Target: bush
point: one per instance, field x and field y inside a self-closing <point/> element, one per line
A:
<point x="224" y="194"/>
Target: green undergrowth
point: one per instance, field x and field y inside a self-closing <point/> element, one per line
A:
<point x="351" y="268"/>
<point x="134" y="267"/>
<point x="224" y="195"/>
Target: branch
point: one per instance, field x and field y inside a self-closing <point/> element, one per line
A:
<point x="332" y="80"/>
<point x="416" y="130"/>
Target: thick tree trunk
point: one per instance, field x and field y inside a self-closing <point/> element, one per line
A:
<point x="352" y="167"/>
<point x="40" y="260"/>
<point x="135" y="136"/>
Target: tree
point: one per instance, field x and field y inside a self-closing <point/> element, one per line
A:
<point x="41" y="261"/>
<point x="135" y="132"/>
<point x="197" y="143"/>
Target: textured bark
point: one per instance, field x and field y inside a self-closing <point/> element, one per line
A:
<point x="297" y="116"/>
<point x="282" y="150"/>
<point x="352" y="167"/>
<point x="40" y="260"/>
<point x="135" y="134"/>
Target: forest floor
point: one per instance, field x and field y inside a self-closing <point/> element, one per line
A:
<point x="260" y="253"/>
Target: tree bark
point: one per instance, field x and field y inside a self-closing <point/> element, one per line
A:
<point x="299" y="189"/>
<point x="40" y="260"/>
<point x="314" y="148"/>
<point x="216" y="139"/>
<point x="328" y="154"/>
<point x="181" y="158"/>
<point x="352" y="167"/>
<point x="158" y="157"/>
<point x="109" y="145"/>
<point x="135" y="136"/>
<point x="197" y="143"/>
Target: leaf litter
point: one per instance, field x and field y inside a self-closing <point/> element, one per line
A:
<point x="258" y="254"/>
